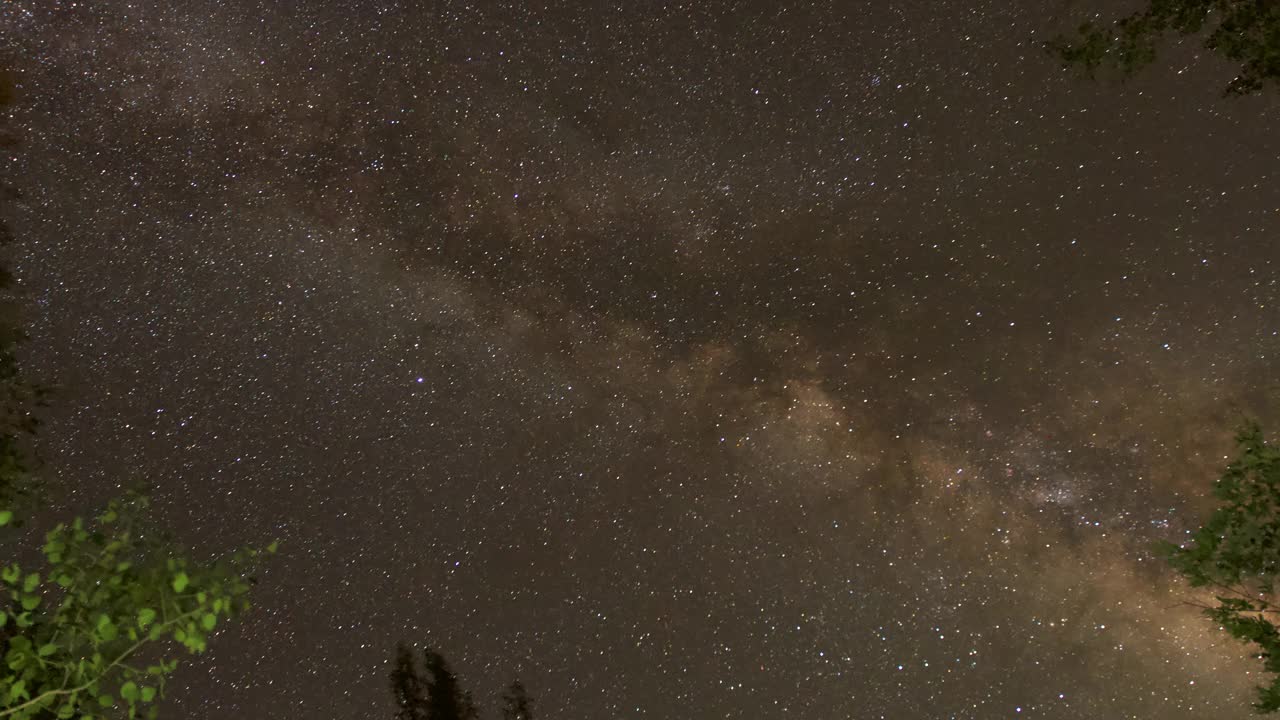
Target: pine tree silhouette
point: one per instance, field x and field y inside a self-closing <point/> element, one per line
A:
<point x="406" y="686"/>
<point x="516" y="703"/>
<point x="469" y="710"/>
<point x="445" y="700"/>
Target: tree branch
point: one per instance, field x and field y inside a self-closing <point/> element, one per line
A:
<point x="84" y="686"/>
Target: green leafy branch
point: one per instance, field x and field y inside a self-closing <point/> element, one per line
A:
<point x="72" y="633"/>
<point x="110" y="592"/>
<point x="1236" y="554"/>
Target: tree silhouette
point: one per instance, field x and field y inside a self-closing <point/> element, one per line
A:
<point x="19" y="398"/>
<point x="1244" y="31"/>
<point x="1236" y="555"/>
<point x="436" y="694"/>
<point x="91" y="631"/>
<point x="469" y="709"/>
<point x="406" y="686"/>
<point x="445" y="699"/>
<point x="516" y="703"/>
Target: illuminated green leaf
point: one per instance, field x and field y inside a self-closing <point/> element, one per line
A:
<point x="129" y="691"/>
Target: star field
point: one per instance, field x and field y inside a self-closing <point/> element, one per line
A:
<point x="686" y="360"/>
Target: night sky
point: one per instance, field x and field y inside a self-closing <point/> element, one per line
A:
<point x="700" y="360"/>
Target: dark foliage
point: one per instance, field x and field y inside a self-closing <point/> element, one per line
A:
<point x="516" y="703"/>
<point x="436" y="694"/>
<point x="406" y="686"/>
<point x="445" y="699"/>
<point x="1236" y="555"/>
<point x="1243" y="31"/>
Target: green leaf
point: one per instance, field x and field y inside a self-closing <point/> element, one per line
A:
<point x="31" y="583"/>
<point x="148" y="694"/>
<point x="106" y="701"/>
<point x="129" y="691"/>
<point x="274" y="546"/>
<point x="17" y="690"/>
<point x="107" y="630"/>
<point x="6" y="517"/>
<point x="180" y="582"/>
<point x="48" y="649"/>
<point x="145" y="617"/>
<point x="208" y="621"/>
<point x="30" y="602"/>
